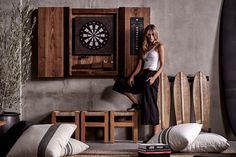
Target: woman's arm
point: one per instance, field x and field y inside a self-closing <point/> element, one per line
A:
<point x="161" y="52"/>
<point x="136" y="71"/>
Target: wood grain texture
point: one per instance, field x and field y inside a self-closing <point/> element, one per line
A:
<point x="75" y="114"/>
<point x="127" y="61"/>
<point x="70" y="43"/>
<point x="104" y="124"/>
<point x="182" y="98"/>
<point x="50" y="42"/>
<point x="201" y="101"/>
<point x="163" y="101"/>
<point x="124" y="123"/>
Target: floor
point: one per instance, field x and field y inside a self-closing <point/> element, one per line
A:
<point x="129" y="149"/>
<point x="119" y="148"/>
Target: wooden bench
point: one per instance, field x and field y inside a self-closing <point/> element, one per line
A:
<point x="97" y="114"/>
<point x="126" y="123"/>
<point x="75" y="114"/>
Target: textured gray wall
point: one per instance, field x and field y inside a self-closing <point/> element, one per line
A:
<point x="189" y="29"/>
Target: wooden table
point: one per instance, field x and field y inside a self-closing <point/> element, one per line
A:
<point x="2" y="122"/>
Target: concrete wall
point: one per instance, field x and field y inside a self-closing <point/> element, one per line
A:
<point x="189" y="29"/>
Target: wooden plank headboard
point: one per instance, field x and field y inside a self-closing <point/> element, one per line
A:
<point x="183" y="96"/>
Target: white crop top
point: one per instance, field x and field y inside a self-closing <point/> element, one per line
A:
<point x="151" y="60"/>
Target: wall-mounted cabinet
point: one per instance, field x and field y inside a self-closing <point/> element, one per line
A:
<point x="132" y="22"/>
<point x="50" y="42"/>
<point x="93" y="47"/>
<point x="89" y="42"/>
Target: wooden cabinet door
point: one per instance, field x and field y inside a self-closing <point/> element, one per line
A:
<point x="50" y="42"/>
<point x="127" y="58"/>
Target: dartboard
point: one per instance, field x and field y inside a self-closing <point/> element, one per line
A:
<point x="93" y="35"/>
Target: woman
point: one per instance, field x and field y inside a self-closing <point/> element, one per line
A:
<point x="144" y="79"/>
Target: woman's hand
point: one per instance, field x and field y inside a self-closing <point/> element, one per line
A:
<point x="151" y="80"/>
<point x="131" y="81"/>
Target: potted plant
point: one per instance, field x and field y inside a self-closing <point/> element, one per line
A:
<point x="16" y="30"/>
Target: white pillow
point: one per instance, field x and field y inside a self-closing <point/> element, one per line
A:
<point x="42" y="140"/>
<point x="207" y="142"/>
<point x="178" y="136"/>
<point x="74" y="147"/>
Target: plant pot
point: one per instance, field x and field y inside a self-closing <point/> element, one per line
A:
<point x="11" y="118"/>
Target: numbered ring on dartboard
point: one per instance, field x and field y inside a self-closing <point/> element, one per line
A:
<point x="94" y="35"/>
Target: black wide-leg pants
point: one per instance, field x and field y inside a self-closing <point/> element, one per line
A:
<point x="149" y="110"/>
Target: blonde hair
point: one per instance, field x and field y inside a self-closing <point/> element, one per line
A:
<point x="145" y="43"/>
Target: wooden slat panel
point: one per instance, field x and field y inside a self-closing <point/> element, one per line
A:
<point x="65" y="113"/>
<point x="95" y="113"/>
<point x="112" y="127"/>
<point x="77" y="122"/>
<point x="201" y="101"/>
<point x="125" y="13"/>
<point x="94" y="11"/>
<point x="164" y="100"/>
<point x="120" y="113"/>
<point x="70" y="43"/>
<point x="50" y="42"/>
<point x="82" y="126"/>
<point x="124" y="124"/>
<point x="106" y="127"/>
<point x="53" y="117"/>
<point x="182" y="98"/>
<point x="94" y="124"/>
<point x="135" y="127"/>
<point x="93" y="73"/>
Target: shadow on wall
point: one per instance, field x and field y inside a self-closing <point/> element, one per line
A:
<point x="44" y="119"/>
<point x="109" y="95"/>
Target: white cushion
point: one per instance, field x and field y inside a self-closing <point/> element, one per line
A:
<point x="207" y="142"/>
<point x="74" y="147"/>
<point x="178" y="136"/>
<point x="42" y="140"/>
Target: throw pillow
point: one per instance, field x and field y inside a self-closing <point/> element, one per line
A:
<point x="45" y="140"/>
<point x="207" y="142"/>
<point x="178" y="136"/>
<point x="74" y="147"/>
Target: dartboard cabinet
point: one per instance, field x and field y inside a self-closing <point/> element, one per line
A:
<point x="83" y="42"/>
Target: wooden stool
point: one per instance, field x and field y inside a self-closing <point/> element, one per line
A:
<point x="127" y="123"/>
<point x="97" y="114"/>
<point x="75" y="114"/>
